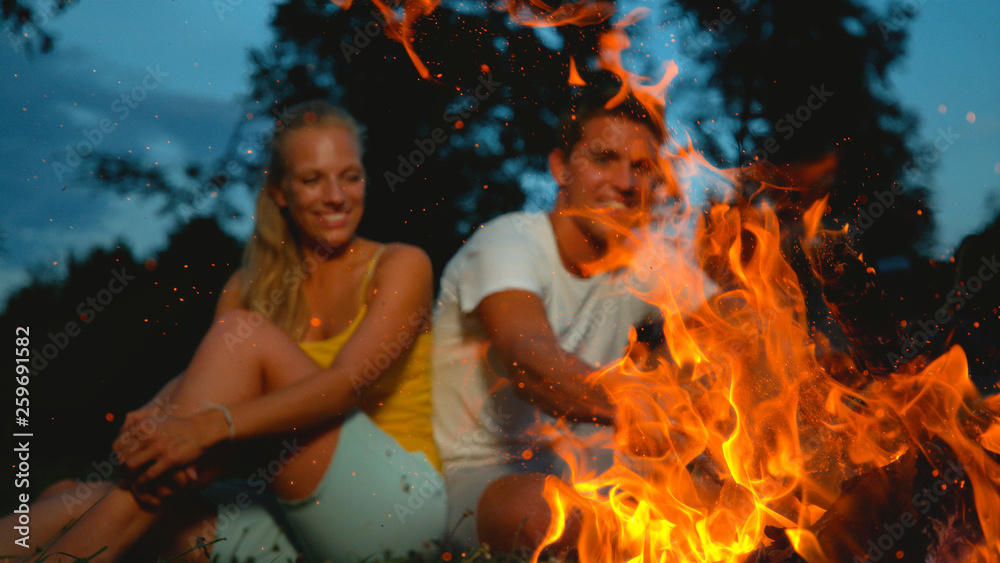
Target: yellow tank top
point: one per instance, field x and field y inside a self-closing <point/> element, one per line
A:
<point x="399" y="401"/>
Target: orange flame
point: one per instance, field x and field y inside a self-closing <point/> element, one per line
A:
<point x="530" y="13"/>
<point x="402" y="31"/>
<point x="612" y="44"/>
<point x="535" y="13"/>
<point x="574" y="75"/>
<point x="736" y="425"/>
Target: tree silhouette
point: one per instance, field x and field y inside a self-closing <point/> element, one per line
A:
<point x="966" y="309"/>
<point x="27" y="23"/>
<point x="443" y="154"/>
<point x="110" y="334"/>
<point x="808" y="81"/>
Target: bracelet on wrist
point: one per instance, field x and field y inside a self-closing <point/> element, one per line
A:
<point x="225" y="412"/>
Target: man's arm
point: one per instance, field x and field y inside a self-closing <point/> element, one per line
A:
<point x="543" y="373"/>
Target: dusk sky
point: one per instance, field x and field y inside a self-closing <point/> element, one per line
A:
<point x="187" y="61"/>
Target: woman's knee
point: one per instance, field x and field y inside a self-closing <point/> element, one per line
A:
<point x="241" y="333"/>
<point x="61" y="487"/>
<point x="241" y="326"/>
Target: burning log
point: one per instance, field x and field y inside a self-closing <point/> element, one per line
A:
<point x="857" y="303"/>
<point x="913" y="509"/>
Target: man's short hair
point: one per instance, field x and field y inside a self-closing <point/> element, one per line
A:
<point x="592" y="102"/>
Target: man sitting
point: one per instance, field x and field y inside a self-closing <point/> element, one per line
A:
<point x="526" y="312"/>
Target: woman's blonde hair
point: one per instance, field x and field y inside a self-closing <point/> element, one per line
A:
<point x="273" y="268"/>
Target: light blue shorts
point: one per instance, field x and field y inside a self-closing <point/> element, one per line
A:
<point x="249" y="525"/>
<point x="375" y="500"/>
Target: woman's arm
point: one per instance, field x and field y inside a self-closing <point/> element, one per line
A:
<point x="398" y="304"/>
<point x="160" y="407"/>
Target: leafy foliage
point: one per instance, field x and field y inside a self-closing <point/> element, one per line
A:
<point x="107" y="337"/>
<point x="26" y="23"/>
<point x="443" y="154"/>
<point x="805" y="80"/>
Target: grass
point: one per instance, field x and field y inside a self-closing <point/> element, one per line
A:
<point x="443" y="552"/>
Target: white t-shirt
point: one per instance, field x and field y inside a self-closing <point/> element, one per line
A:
<point x="478" y="418"/>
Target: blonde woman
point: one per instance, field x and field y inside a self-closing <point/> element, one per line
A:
<point x="318" y="357"/>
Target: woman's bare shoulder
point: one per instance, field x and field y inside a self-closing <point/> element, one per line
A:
<point x="403" y="263"/>
<point x="403" y="251"/>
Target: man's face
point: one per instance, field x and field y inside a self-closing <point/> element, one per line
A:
<point x="606" y="180"/>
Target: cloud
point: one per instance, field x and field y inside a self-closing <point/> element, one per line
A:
<point x="58" y="104"/>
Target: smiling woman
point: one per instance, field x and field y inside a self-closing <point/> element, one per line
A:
<point x="317" y="186"/>
<point x="327" y="373"/>
<point x="324" y="192"/>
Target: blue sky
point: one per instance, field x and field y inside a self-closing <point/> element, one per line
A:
<point x="182" y="69"/>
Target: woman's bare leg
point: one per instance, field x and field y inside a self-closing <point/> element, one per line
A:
<point x="54" y="509"/>
<point x="240" y="358"/>
<point x="178" y="531"/>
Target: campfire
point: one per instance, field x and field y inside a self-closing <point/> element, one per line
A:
<point x="764" y="443"/>
<point x="746" y="434"/>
